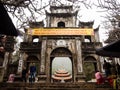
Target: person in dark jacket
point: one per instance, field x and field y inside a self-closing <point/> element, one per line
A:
<point x="32" y="72"/>
<point x="118" y="69"/>
<point x="107" y="68"/>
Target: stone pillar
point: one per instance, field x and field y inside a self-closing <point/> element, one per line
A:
<point x="79" y="56"/>
<point x="6" y="60"/>
<point x="48" y="79"/>
<point x="20" y="64"/>
<point x="96" y="35"/>
<point x="1" y="73"/>
<point x="101" y="62"/>
<point x="80" y="75"/>
<point x="43" y="50"/>
<point x="4" y="67"/>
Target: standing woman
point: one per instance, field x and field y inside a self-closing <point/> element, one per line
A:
<point x="99" y="77"/>
<point x="24" y="74"/>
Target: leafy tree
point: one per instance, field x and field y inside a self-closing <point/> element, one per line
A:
<point x="112" y="7"/>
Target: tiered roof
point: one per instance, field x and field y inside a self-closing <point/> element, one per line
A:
<point x="62" y="74"/>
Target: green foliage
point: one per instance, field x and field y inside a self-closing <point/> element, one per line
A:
<point x="89" y="70"/>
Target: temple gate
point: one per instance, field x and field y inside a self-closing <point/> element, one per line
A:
<point x="62" y="37"/>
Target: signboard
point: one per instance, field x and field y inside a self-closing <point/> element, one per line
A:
<point x="60" y="31"/>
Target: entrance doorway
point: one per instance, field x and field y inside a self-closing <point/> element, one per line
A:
<point x="30" y="60"/>
<point x="61" y="69"/>
<point x="61" y="65"/>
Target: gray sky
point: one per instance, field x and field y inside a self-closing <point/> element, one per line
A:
<point x="85" y="15"/>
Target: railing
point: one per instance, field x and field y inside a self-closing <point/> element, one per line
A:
<point x="30" y="46"/>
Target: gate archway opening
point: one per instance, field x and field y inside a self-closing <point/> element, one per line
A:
<point x="32" y="59"/>
<point x="90" y="66"/>
<point x="61" y="24"/>
<point x="61" y="65"/>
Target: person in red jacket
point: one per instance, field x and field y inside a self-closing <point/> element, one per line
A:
<point x="99" y="77"/>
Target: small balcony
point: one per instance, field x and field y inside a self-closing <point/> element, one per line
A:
<point x="30" y="46"/>
<point x="90" y="47"/>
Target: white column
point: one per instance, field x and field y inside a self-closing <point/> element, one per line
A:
<point x="117" y="60"/>
<point x="43" y="49"/>
<point x="20" y="64"/>
<point x="79" y="56"/>
<point x="5" y="60"/>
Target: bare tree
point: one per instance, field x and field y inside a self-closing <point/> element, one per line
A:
<point x="20" y="8"/>
<point x="112" y="7"/>
<point x="29" y="10"/>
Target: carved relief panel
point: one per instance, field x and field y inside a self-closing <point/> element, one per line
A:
<point x="61" y="43"/>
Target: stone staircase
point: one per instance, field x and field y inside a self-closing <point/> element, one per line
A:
<point x="54" y="86"/>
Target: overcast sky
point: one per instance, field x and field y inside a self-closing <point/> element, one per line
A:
<point x="85" y="14"/>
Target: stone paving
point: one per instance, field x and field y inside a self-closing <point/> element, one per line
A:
<point x="54" y="86"/>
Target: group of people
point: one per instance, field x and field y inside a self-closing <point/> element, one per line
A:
<point x="29" y="74"/>
<point x="111" y="69"/>
<point x="111" y="72"/>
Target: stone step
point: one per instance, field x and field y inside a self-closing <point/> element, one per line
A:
<point x="18" y="88"/>
<point x="54" y="86"/>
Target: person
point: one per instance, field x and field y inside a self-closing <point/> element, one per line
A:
<point x="11" y="78"/>
<point x="32" y="72"/>
<point x="113" y="69"/>
<point x="99" y="77"/>
<point x="118" y="69"/>
<point x="107" y="68"/>
<point x="24" y="74"/>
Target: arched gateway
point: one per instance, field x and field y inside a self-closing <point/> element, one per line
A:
<point x="61" y="49"/>
<point x="63" y="57"/>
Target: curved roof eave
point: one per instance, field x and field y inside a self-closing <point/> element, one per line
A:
<point x="111" y="50"/>
<point x="6" y="25"/>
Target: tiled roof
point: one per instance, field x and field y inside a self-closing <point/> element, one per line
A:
<point x="6" y="25"/>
